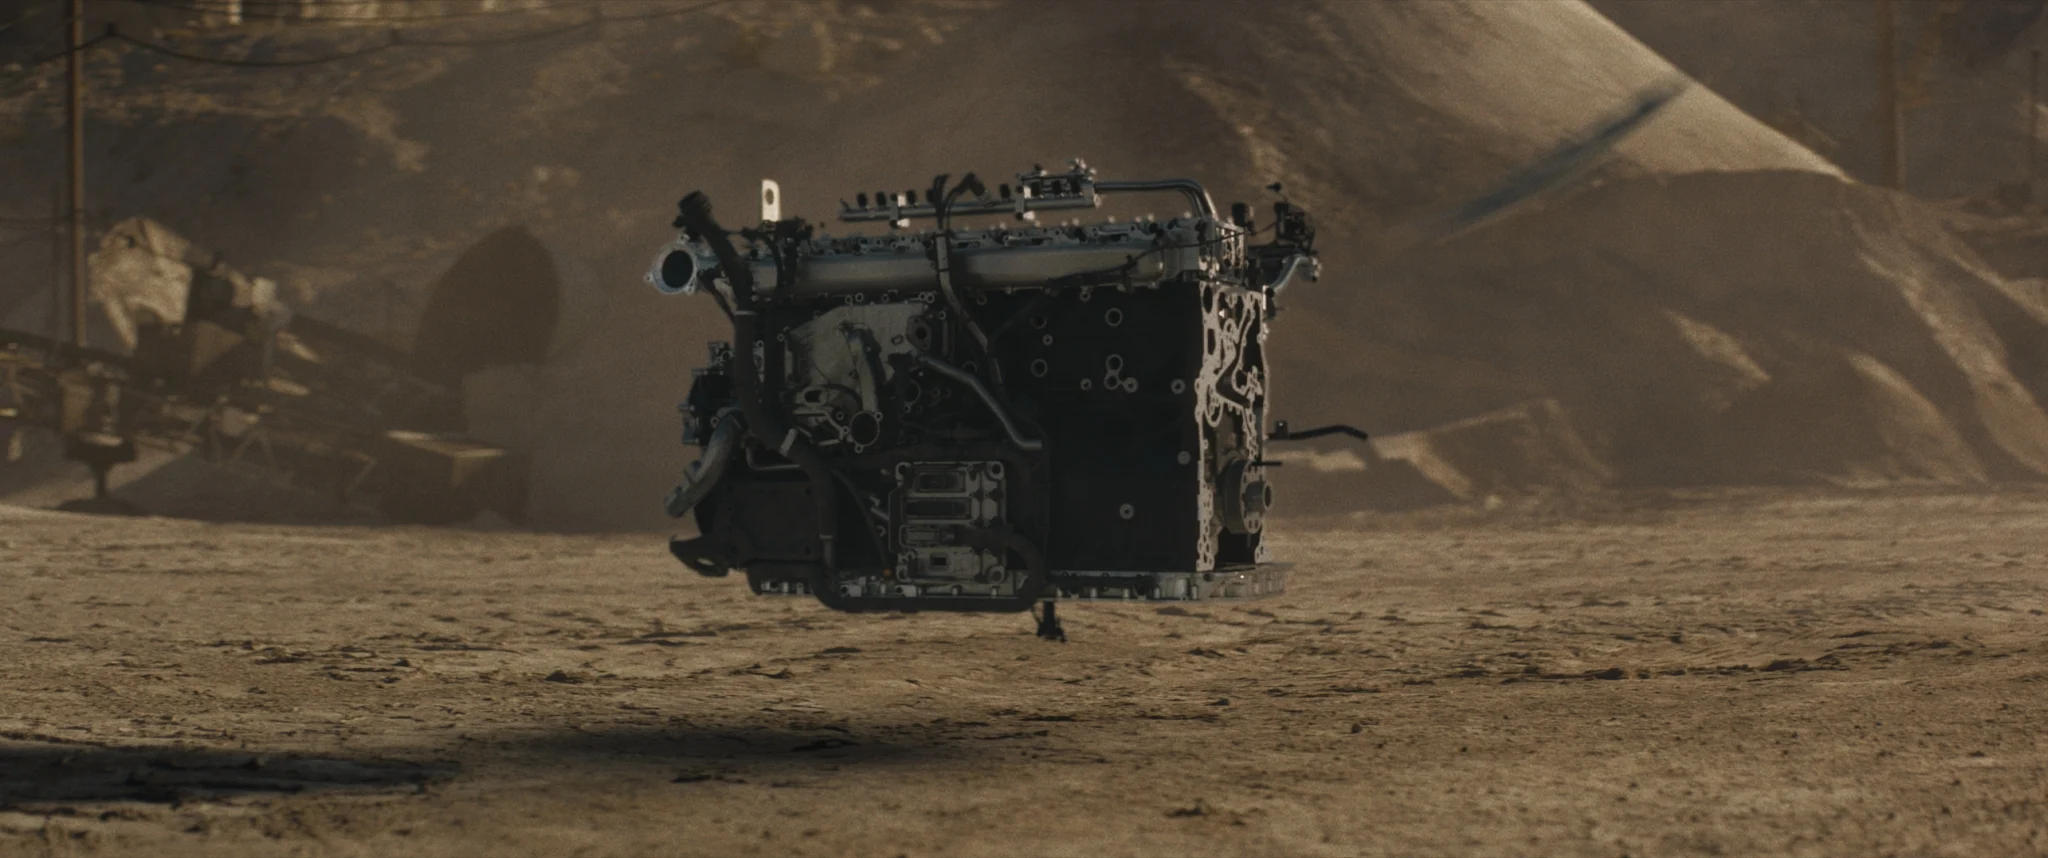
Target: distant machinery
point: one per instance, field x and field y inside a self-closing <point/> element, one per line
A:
<point x="247" y="385"/>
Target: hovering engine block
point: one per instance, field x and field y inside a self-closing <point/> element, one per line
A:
<point x="978" y="419"/>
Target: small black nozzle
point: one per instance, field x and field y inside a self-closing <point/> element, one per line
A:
<point x="693" y="209"/>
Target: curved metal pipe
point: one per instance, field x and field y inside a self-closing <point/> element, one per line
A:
<point x="1028" y="445"/>
<point x="763" y="423"/>
<point x="704" y="473"/>
<point x="1197" y="195"/>
<point x="1294" y="265"/>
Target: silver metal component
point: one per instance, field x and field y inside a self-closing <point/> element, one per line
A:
<point x="1227" y="582"/>
<point x="702" y="475"/>
<point x="840" y="361"/>
<point x="1196" y="195"/>
<point x="771" y="201"/>
<point x="967" y="379"/>
<point x="681" y="268"/>
<point x="977" y="260"/>
<point x="1229" y="407"/>
<point x="932" y="500"/>
<point x="1243" y="495"/>
<point x="1038" y="191"/>
<point x="1296" y="264"/>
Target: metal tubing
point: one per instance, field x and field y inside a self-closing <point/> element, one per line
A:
<point x="1193" y="190"/>
<point x="974" y="269"/>
<point x="1028" y="445"/>
<point x="704" y="473"/>
<point x="763" y="423"/>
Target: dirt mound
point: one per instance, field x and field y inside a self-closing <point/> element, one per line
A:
<point x="1811" y="69"/>
<point x="1712" y="327"/>
<point x="497" y="305"/>
<point x="1356" y="114"/>
<point x="1523" y="450"/>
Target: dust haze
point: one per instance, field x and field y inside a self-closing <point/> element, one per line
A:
<point x="1703" y="511"/>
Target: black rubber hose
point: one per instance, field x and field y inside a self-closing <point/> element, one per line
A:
<point x="764" y="421"/>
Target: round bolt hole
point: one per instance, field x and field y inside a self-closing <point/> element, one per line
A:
<point x="1178" y="386"/>
<point x="1113" y="317"/>
<point x="1127" y="511"/>
<point x="1114" y="363"/>
<point x="1046" y="340"/>
<point x="1038" y="368"/>
<point x="1184" y="457"/>
<point x="1130" y="385"/>
<point x="1040" y="322"/>
<point x="1086" y="384"/>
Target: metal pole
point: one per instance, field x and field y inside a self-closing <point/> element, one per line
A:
<point x="1891" y="113"/>
<point x="57" y="278"/>
<point x="2033" y="119"/>
<point x="77" y="91"/>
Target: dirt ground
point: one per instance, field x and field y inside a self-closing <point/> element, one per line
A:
<point x="1748" y="673"/>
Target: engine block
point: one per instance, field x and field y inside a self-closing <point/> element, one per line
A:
<point x="983" y="418"/>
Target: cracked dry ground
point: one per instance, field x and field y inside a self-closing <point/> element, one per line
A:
<point x="1734" y="674"/>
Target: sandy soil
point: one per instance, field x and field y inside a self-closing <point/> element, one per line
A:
<point x="1736" y="674"/>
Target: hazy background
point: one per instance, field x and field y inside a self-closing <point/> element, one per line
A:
<point x="1725" y="300"/>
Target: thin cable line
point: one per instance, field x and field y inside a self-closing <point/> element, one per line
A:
<point x="204" y="7"/>
<point x="89" y="44"/>
<point x="397" y="39"/>
<point x="259" y="64"/>
<point x="32" y="12"/>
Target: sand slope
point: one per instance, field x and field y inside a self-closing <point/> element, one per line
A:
<point x="1376" y="115"/>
